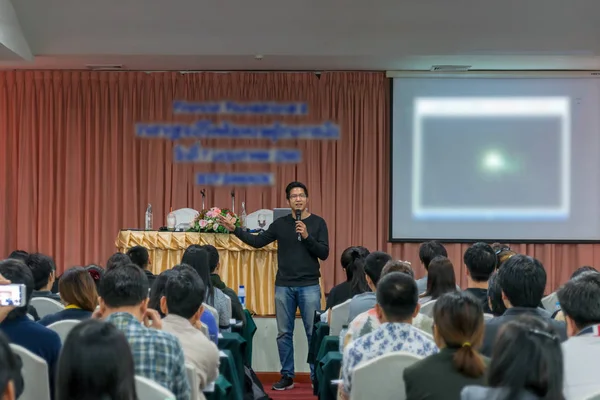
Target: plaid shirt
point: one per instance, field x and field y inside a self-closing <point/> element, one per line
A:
<point x="157" y="355"/>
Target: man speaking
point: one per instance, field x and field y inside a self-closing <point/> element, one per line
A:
<point x="302" y="240"/>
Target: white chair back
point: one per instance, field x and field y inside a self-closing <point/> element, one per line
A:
<point x="595" y="396"/>
<point x="549" y="302"/>
<point x="339" y="317"/>
<point x="487" y="316"/>
<point x="147" y="389"/>
<point x="45" y="306"/>
<point x="380" y="376"/>
<point x="260" y="219"/>
<point x="63" y="328"/>
<point x="427" y="308"/>
<point x="184" y="217"/>
<point x="204" y="329"/>
<point x="192" y="380"/>
<point x="30" y="317"/>
<point x="35" y="375"/>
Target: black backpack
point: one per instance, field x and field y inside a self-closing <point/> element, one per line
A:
<point x="253" y="389"/>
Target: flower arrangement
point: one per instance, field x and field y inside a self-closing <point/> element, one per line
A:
<point x="207" y="221"/>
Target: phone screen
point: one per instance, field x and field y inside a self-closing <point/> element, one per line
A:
<point x="12" y="295"/>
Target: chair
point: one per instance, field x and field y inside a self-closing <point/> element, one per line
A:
<point x="339" y="317"/>
<point x="380" y="376"/>
<point x="595" y="396"/>
<point x="427" y="308"/>
<point x="487" y="316"/>
<point x="149" y="390"/>
<point x="549" y="302"/>
<point x="45" y="306"/>
<point x="260" y="219"/>
<point x="30" y="317"/>
<point x="184" y="217"/>
<point x="63" y="328"/>
<point x="35" y="375"/>
<point x="193" y="380"/>
<point x="213" y="311"/>
<point x="204" y="329"/>
<point x="426" y="334"/>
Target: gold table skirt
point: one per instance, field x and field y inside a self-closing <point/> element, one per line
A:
<point x="240" y="264"/>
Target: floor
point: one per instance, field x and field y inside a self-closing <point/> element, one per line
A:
<point x="301" y="391"/>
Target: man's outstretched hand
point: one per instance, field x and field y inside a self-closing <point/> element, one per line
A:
<point x="226" y="223"/>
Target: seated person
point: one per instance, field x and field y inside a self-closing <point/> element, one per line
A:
<point x="157" y="355"/>
<point x="580" y="302"/>
<point x="78" y="293"/>
<point x="139" y="256"/>
<point x="427" y="252"/>
<point x="116" y="260"/>
<point x="440" y="279"/>
<point x="182" y="304"/>
<point x="22" y="331"/>
<point x="96" y="363"/>
<point x="360" y="303"/>
<point x="495" y="301"/>
<point x="352" y="261"/>
<point x="237" y="310"/>
<point x="397" y="304"/>
<point x="458" y="333"/>
<point x="367" y="322"/>
<point x="96" y="272"/>
<point x="44" y="273"/>
<point x="480" y="261"/>
<point x="11" y="378"/>
<point x="522" y="280"/>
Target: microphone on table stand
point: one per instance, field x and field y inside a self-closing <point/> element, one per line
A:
<point x="298" y="215"/>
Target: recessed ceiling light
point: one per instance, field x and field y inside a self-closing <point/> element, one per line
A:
<point x="258" y="57"/>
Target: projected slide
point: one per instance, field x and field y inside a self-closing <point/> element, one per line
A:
<point x="495" y="159"/>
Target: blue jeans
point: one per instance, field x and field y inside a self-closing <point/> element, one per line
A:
<point x="287" y="301"/>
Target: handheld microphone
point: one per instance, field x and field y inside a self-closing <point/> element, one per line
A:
<point x="298" y="215"/>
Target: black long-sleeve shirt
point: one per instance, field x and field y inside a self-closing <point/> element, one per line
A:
<point x="298" y="260"/>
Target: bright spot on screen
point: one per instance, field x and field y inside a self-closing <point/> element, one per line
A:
<point x="493" y="161"/>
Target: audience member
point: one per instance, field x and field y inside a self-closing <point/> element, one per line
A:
<point x="196" y="257"/>
<point x="427" y="252"/>
<point x="522" y="280"/>
<point x="526" y="364"/>
<point x="580" y="302"/>
<point x="182" y="304"/>
<point x="157" y="355"/>
<point x="117" y="259"/>
<point x="480" y="261"/>
<point x="440" y="279"/>
<point x="95" y="363"/>
<point x="44" y="273"/>
<point x="237" y="310"/>
<point x="582" y="270"/>
<point x="397" y="305"/>
<point x="11" y="378"/>
<point x="20" y="329"/>
<point x="360" y="303"/>
<point x="19" y="255"/>
<point x="458" y="333"/>
<point x="78" y="293"/>
<point x="353" y="264"/>
<point x="495" y="302"/>
<point x="139" y="256"/>
<point x="503" y="253"/>
<point x="96" y="272"/>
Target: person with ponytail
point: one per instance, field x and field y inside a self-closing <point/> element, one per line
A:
<point x="353" y="263"/>
<point x="458" y="329"/>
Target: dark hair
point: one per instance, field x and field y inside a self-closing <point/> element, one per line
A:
<point x="353" y="263"/>
<point x="184" y="293"/>
<point x="523" y="280"/>
<point x="527" y="357"/>
<point x="397" y="266"/>
<point x="374" y="264"/>
<point x="398" y="296"/>
<point x="480" y="260"/>
<point x="19" y="255"/>
<point x="17" y="272"/>
<point x="440" y="278"/>
<point x="458" y="319"/>
<point x="582" y="270"/>
<point x="139" y="256"/>
<point x="77" y="287"/>
<point x="495" y="296"/>
<point x="124" y="286"/>
<point x="579" y="299"/>
<point x="430" y="250"/>
<point x="96" y="272"/>
<point x="158" y="290"/>
<point x="11" y="368"/>
<point x="213" y="257"/>
<point x="351" y="253"/>
<point x="196" y="257"/>
<point x="294" y="185"/>
<point x="116" y="260"/>
<point x="95" y="363"/>
<point x="41" y="266"/>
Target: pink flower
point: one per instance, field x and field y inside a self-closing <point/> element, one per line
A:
<point x="215" y="226"/>
<point x="203" y="223"/>
<point x="216" y="210"/>
<point x="211" y="214"/>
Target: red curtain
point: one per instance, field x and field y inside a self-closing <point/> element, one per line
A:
<point x="73" y="173"/>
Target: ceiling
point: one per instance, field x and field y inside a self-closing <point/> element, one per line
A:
<point x="300" y="35"/>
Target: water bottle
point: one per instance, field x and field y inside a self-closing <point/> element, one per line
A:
<point x="343" y="337"/>
<point x="171" y="221"/>
<point x="242" y="295"/>
<point x="149" y="217"/>
<point x="557" y="306"/>
<point x="243" y="215"/>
